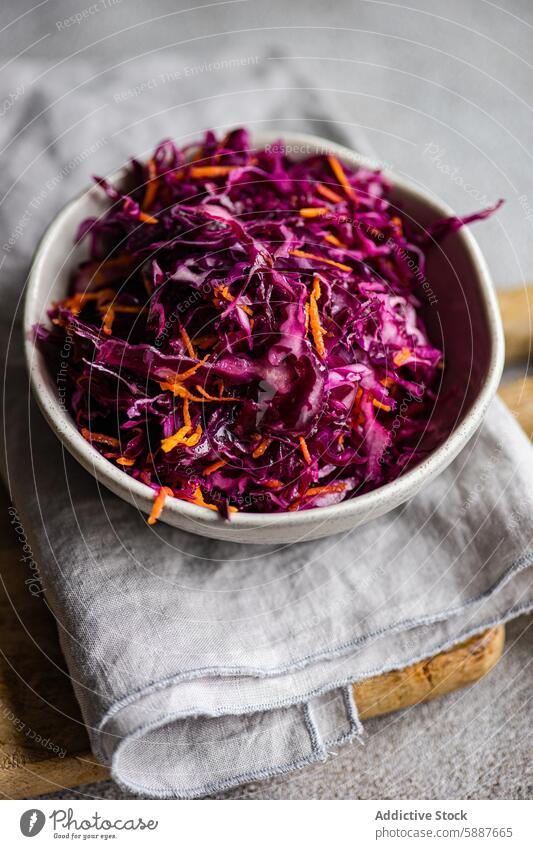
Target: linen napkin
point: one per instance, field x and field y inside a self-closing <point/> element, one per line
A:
<point x="199" y="664"/>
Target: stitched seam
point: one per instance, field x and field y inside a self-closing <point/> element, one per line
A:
<point x="289" y="702"/>
<point x="522" y="562"/>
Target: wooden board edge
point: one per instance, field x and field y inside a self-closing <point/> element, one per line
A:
<point x="450" y="670"/>
<point x="50" y="776"/>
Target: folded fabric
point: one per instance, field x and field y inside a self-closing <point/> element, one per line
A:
<point x="198" y="664"/>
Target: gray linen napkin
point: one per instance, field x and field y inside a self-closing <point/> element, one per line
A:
<point x="199" y="665"/>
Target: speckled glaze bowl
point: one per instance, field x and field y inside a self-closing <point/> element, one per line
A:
<point x="461" y="314"/>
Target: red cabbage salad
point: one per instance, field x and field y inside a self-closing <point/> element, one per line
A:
<point x="246" y="334"/>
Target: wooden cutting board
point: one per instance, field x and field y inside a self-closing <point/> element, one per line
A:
<point x="43" y="742"/>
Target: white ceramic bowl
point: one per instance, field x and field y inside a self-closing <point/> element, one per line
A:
<point x="464" y="322"/>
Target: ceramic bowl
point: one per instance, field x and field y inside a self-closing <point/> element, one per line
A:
<point x="461" y="313"/>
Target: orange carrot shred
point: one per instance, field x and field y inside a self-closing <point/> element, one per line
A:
<point x="211" y="170"/>
<point x="313" y="211"/>
<point x="402" y="356"/>
<point x="181" y="438"/>
<point x="328" y="193"/>
<point x="224" y="292"/>
<point x="330" y="487"/>
<point x="314" y="319"/>
<point x="125" y="461"/>
<point x="334" y="241"/>
<point x="261" y="448"/>
<point x="209" y="397"/>
<point x="305" y="255"/>
<point x="152" y="185"/>
<point x="214" y="467"/>
<point x="305" y="451"/>
<point x="380" y="405"/>
<point x="100" y="437"/>
<point x="178" y="389"/>
<point x="147" y="219"/>
<point x="306" y="311"/>
<point x="338" y="170"/>
<point x="107" y="323"/>
<point x="157" y="507"/>
<point x="187" y="342"/>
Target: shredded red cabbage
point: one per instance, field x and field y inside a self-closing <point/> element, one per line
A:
<point x="246" y="334"/>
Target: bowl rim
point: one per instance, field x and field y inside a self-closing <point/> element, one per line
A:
<point x="397" y="491"/>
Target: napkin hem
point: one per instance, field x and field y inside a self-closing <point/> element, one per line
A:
<point x="521" y="563"/>
<point x="319" y="752"/>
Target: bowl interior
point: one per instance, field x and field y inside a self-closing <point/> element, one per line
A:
<point x="454" y="293"/>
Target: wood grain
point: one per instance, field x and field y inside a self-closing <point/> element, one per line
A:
<point x="43" y="742"/>
<point x="516" y="307"/>
<point x="436" y="676"/>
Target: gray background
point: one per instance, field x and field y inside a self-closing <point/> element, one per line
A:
<point x="441" y="93"/>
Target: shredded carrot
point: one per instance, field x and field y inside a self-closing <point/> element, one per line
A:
<point x="397" y="223"/>
<point x="328" y="193"/>
<point x="338" y="170"/>
<point x="314" y="319"/>
<point x="402" y="356"/>
<point x="313" y="211"/>
<point x="187" y="342"/>
<point x="125" y="461"/>
<point x="209" y="397"/>
<point x="224" y="292"/>
<point x="211" y="170"/>
<point x="387" y="381"/>
<point x="157" y="507"/>
<point x="179" y="377"/>
<point x="181" y="438"/>
<point x="330" y="487"/>
<point x="100" y="437"/>
<point x="214" y="467"/>
<point x="305" y="451"/>
<point x="380" y="405"/>
<point x="177" y="439"/>
<point x="107" y="322"/>
<point x="152" y="185"/>
<point x="78" y="301"/>
<point x="273" y="483"/>
<point x="147" y="219"/>
<point x="198" y="499"/>
<point x="305" y="255"/>
<point x="334" y="241"/>
<point x="261" y="448"/>
<point x="179" y="390"/>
